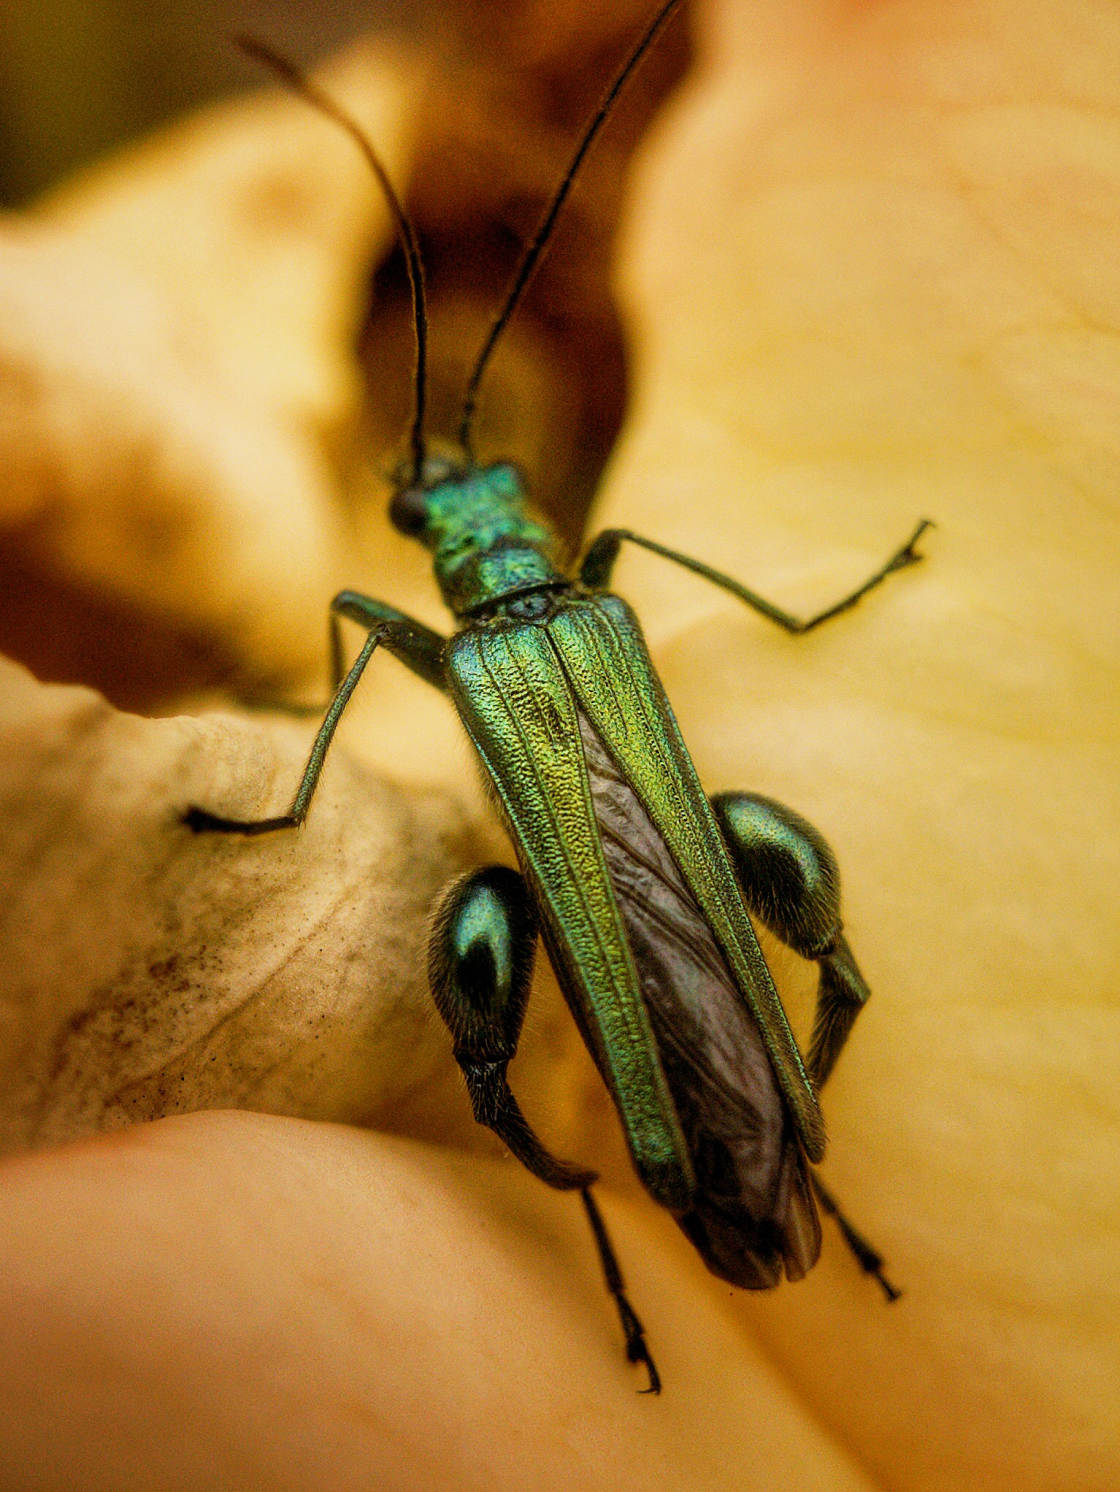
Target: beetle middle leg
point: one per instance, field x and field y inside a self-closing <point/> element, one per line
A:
<point x="480" y="963"/>
<point x="790" y="881"/>
<point x="598" y="562"/>
<point x="417" y="646"/>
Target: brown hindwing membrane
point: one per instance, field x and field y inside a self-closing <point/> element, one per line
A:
<point x="753" y="1211"/>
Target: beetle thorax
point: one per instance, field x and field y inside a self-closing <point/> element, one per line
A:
<point x="485" y="545"/>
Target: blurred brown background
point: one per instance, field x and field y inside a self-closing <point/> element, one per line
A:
<point x="80" y="79"/>
<point x="511" y="83"/>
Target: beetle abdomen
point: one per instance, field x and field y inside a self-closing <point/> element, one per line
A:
<point x="753" y="1212"/>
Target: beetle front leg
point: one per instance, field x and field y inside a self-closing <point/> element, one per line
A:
<point x="480" y="963"/>
<point x="791" y="882"/>
<point x="417" y="646"/>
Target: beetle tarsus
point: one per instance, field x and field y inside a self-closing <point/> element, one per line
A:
<point x="637" y="1349"/>
<point x="199" y="821"/>
<point x="869" y="1259"/>
<point x="908" y="555"/>
<point x="892" y="1292"/>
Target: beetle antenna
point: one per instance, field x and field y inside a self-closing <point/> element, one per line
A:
<point x="299" y="83"/>
<point x="531" y="257"/>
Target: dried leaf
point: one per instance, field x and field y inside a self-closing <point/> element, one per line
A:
<point x="148" y="971"/>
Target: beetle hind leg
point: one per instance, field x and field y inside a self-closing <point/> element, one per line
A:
<point x="637" y="1350"/>
<point x="790" y="881"/>
<point x="866" y="1255"/>
<point x="480" y="963"/>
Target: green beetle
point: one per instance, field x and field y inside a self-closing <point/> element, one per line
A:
<point x="639" y="885"/>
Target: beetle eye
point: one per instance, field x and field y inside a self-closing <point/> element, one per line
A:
<point x="408" y="510"/>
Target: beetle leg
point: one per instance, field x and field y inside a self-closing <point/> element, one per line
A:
<point x="418" y="647"/>
<point x="789" y="878"/>
<point x="598" y="563"/>
<point x="415" y="645"/>
<point x="635" y="1333"/>
<point x="480" y="963"/>
<point x="868" y="1257"/>
<point x="790" y="881"/>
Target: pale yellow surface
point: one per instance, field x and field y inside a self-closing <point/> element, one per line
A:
<point x="871" y="271"/>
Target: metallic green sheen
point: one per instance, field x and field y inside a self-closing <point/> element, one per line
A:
<point x="518" y="685"/>
<point x="600" y="645"/>
<point x="484" y="543"/>
<point x="480" y="956"/>
<point x="483" y="921"/>
<point x="517" y="703"/>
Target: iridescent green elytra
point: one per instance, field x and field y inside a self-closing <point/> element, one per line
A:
<point x="640" y="886"/>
